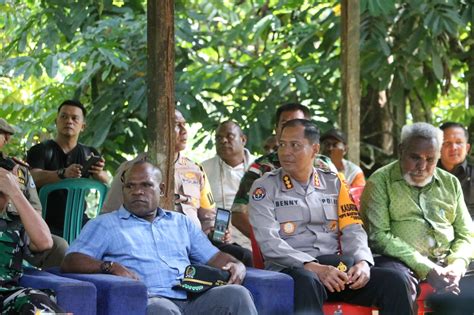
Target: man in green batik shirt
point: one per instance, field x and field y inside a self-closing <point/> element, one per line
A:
<point x="418" y="221"/>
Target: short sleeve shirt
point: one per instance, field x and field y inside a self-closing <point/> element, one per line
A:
<point x="157" y="251"/>
<point x="49" y="156"/>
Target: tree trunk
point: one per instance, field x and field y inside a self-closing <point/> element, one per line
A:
<point x="419" y="110"/>
<point x="160" y="92"/>
<point x="376" y="129"/>
<point x="470" y="79"/>
<point x="350" y="29"/>
<point x="398" y="109"/>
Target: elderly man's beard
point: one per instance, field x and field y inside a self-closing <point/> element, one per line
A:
<point x="410" y="181"/>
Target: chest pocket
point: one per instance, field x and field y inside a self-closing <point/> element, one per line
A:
<point x="290" y="218"/>
<point x="191" y="186"/>
<point x="330" y="212"/>
<point x="329" y="205"/>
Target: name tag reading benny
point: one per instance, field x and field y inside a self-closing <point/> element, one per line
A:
<point x="285" y="203"/>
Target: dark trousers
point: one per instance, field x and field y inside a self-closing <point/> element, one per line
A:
<point x="451" y="304"/>
<point x="442" y="303"/>
<point x="387" y="290"/>
<point x="239" y="252"/>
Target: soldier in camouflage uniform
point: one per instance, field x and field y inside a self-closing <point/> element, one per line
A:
<point x="48" y="258"/>
<point x="21" y="229"/>
<point x="13" y="246"/>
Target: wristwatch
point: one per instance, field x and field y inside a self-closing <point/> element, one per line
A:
<point x="61" y="173"/>
<point x="106" y="267"/>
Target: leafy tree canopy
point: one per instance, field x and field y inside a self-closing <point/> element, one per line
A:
<point x="234" y="60"/>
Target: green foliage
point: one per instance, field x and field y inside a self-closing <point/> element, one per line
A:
<point x="234" y="60"/>
<point x="246" y="60"/>
<point x="414" y="47"/>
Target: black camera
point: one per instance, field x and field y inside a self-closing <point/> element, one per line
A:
<point x="7" y="163"/>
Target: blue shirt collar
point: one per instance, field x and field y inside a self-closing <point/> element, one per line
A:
<point x="125" y="214"/>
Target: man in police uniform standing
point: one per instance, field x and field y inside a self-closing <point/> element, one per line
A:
<point x="48" y="258"/>
<point x="300" y="213"/>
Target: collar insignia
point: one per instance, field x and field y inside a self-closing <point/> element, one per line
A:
<point x="317" y="183"/>
<point x="21" y="177"/>
<point x="287" y="182"/>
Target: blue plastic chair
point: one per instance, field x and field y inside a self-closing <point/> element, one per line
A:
<point x="77" y="190"/>
<point x="273" y="292"/>
<point x="74" y="296"/>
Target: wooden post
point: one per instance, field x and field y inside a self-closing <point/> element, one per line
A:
<point x="350" y="114"/>
<point x="161" y="136"/>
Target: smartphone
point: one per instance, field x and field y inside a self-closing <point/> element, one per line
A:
<point x="89" y="162"/>
<point x="221" y="224"/>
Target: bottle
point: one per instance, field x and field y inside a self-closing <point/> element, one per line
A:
<point x="338" y="311"/>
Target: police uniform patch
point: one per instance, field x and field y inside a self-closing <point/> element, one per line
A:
<point x="190" y="272"/>
<point x="287" y="182"/>
<point x="190" y="175"/>
<point x="288" y="227"/>
<point x="258" y="194"/>
<point x="21" y="177"/>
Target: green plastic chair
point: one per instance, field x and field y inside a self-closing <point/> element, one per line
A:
<point x="77" y="191"/>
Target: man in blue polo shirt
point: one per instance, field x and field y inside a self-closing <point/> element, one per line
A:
<point x="142" y="241"/>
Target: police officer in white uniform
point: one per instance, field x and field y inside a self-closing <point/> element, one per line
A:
<point x="299" y="213"/>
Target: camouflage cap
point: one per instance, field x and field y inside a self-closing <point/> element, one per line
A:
<point x="6" y="127"/>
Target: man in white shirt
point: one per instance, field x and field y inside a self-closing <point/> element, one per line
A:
<point x="226" y="169"/>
